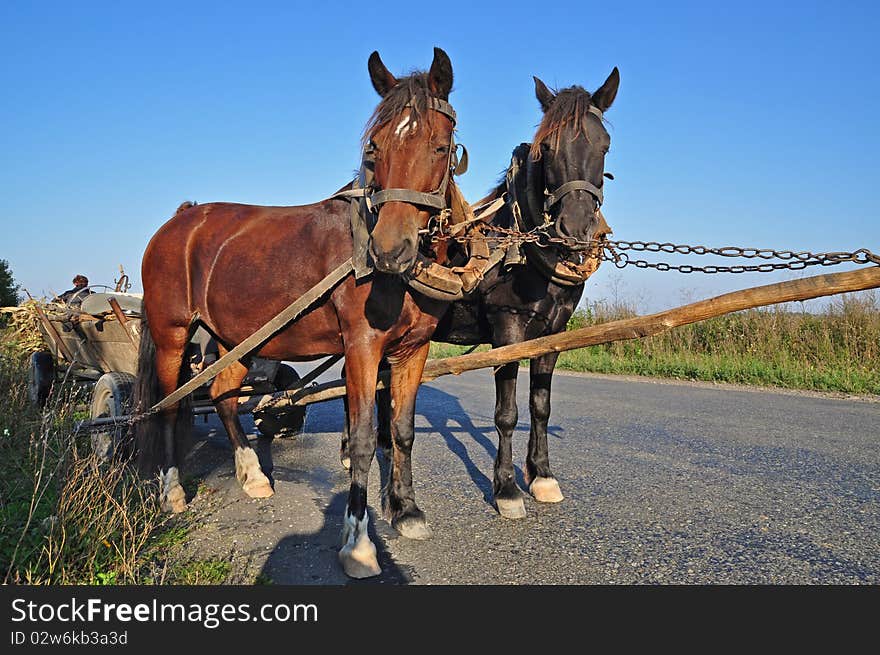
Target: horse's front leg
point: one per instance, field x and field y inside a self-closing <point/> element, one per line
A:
<point x="358" y="553"/>
<point x="383" y="412"/>
<point x="542" y="483"/>
<point x="508" y="497"/>
<point x="401" y="508"/>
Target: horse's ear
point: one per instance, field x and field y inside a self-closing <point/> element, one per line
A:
<point x="544" y="95"/>
<point x="440" y="75"/>
<point x="605" y="94"/>
<point x="382" y="79"/>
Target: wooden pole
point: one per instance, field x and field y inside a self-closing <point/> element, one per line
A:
<point x="816" y="286"/>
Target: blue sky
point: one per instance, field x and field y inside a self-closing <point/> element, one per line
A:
<point x="750" y="124"/>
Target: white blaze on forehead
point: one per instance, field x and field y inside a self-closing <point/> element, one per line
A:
<point x="403" y="127"/>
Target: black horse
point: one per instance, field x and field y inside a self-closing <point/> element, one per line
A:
<point x="554" y="183"/>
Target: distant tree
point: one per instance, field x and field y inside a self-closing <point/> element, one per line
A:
<point x="8" y="289"/>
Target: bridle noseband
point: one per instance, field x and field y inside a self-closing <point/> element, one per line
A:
<point x="435" y="199"/>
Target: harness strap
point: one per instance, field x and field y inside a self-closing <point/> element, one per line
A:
<point x="290" y="313"/>
<point x="489" y="211"/>
<point x="379" y="198"/>
<point x="347" y="194"/>
<point x="568" y="187"/>
<point x="443" y="107"/>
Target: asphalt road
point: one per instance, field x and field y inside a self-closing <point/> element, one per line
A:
<point x="664" y="483"/>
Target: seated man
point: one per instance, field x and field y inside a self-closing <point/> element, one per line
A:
<point x="79" y="291"/>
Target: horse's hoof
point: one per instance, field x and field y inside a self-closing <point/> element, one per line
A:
<point x="546" y="490"/>
<point x="258" y="489"/>
<point x="175" y="500"/>
<point x="413" y="527"/>
<point x="359" y="560"/>
<point x="511" y="508"/>
<point x="345" y="460"/>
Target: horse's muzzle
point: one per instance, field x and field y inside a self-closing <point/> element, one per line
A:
<point x="396" y="261"/>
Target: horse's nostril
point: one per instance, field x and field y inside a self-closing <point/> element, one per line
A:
<point x="396" y="260"/>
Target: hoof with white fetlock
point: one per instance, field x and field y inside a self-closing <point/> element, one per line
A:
<point x="247" y="469"/>
<point x="258" y="488"/>
<point x="413" y="527"/>
<point x="511" y="508"/>
<point x="358" y="553"/>
<point x="546" y="490"/>
<point x="175" y="500"/>
<point x="172" y="497"/>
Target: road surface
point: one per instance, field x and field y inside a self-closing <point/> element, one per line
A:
<point x="663" y="483"/>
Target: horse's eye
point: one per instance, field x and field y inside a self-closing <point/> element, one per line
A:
<point x="441" y="150"/>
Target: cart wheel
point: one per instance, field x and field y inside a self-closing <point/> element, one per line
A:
<point x="41" y="375"/>
<point x="281" y="421"/>
<point x="110" y="397"/>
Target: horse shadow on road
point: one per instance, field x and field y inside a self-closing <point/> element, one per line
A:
<point x="310" y="557"/>
<point x="314" y="498"/>
<point x="446" y="417"/>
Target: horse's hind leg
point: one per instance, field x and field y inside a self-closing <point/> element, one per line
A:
<point x="169" y="360"/>
<point x="405" y="515"/>
<point x="542" y="483"/>
<point x="224" y="392"/>
<point x="172" y="497"/>
<point x="508" y="497"/>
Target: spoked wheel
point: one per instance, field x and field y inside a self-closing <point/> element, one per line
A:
<point x="41" y="375"/>
<point x="282" y="421"/>
<point x="111" y="398"/>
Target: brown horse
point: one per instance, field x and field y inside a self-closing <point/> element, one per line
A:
<point x="231" y="268"/>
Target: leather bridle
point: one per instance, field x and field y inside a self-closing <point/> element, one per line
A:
<point x="551" y="199"/>
<point x="436" y="199"/>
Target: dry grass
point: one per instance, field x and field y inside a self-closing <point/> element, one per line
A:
<point x="65" y="518"/>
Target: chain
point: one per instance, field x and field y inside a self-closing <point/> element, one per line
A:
<point x="616" y="252"/>
<point x="789" y="260"/>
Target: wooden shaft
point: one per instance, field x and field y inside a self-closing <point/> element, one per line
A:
<point x="632" y="328"/>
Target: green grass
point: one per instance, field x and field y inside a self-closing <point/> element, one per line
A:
<point x="837" y="350"/>
<point x="202" y="572"/>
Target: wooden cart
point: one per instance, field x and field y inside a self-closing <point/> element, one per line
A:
<point x="96" y="343"/>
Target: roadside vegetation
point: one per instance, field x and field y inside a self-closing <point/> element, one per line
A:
<point x="837" y="349"/>
<point x="66" y="517"/>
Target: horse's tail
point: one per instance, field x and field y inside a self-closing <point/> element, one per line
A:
<point x="149" y="446"/>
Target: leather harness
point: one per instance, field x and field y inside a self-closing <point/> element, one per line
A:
<point x="454" y="283"/>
